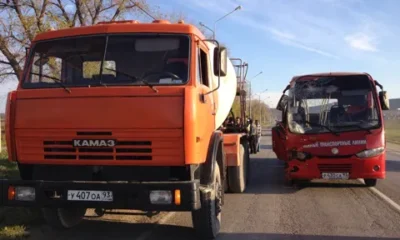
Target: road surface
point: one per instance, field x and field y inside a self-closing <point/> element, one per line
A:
<point x="340" y="210"/>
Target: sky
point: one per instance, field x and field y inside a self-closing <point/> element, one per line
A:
<point x="285" y="38"/>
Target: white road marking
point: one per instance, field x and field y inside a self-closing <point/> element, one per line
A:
<point x="384" y="197"/>
<point x="147" y="234"/>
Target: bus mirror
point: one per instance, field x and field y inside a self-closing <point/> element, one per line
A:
<point x="384" y="100"/>
<point x="282" y="102"/>
<point x="220" y="61"/>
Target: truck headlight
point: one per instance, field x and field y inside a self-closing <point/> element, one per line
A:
<point x="25" y="194"/>
<point x="370" y="152"/>
<point x="160" y="197"/>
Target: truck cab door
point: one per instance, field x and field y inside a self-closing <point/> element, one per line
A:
<point x="205" y="113"/>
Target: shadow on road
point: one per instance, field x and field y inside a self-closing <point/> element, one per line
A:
<point x="267" y="177"/>
<point x="95" y="229"/>
<point x="267" y="147"/>
<point x="392" y="166"/>
<point x="331" y="185"/>
<point x="110" y="230"/>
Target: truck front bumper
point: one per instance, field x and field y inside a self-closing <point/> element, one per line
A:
<point x="126" y="195"/>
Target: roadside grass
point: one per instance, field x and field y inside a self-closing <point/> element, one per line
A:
<point x="392" y="129"/>
<point x="14" y="220"/>
<point x="13" y="232"/>
<point x="8" y="169"/>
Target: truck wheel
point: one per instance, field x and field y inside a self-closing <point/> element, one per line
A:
<point x="63" y="218"/>
<point x="207" y="220"/>
<point x="237" y="176"/>
<point x="369" y="182"/>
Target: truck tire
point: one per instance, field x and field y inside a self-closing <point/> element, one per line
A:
<point x="63" y="218"/>
<point x="207" y="220"/>
<point x="238" y="175"/>
<point x="369" y="182"/>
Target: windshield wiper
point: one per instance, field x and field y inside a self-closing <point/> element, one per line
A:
<point x="357" y="126"/>
<point x="56" y="80"/>
<point x="320" y="125"/>
<point x="149" y="85"/>
<point x="134" y="78"/>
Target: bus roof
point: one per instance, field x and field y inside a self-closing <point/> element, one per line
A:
<point x="332" y="74"/>
<point x="157" y="26"/>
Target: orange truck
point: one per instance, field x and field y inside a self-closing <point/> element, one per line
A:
<point x="125" y="115"/>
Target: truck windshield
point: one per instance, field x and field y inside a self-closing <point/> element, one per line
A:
<point x="135" y="59"/>
<point x="332" y="104"/>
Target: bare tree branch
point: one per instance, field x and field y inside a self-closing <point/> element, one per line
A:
<point x="10" y="56"/>
<point x="41" y="15"/>
<point x="22" y="19"/>
<point x="4" y="62"/>
<point x="97" y="12"/>
<point x="78" y="6"/>
<point x="63" y="12"/>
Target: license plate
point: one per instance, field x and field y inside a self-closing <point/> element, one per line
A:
<point x="335" y="175"/>
<point x="88" y="195"/>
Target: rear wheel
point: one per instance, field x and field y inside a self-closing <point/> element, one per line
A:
<point x="63" y="218"/>
<point x="207" y="219"/>
<point x="238" y="175"/>
<point x="369" y="182"/>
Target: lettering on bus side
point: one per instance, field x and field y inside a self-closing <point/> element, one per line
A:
<point x="336" y="143"/>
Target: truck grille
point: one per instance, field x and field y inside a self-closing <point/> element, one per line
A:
<point x="334" y="167"/>
<point x="123" y="150"/>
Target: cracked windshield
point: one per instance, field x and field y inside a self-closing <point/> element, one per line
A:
<point x="322" y="104"/>
<point x="199" y="119"/>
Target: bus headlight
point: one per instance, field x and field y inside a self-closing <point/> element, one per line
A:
<point x="370" y="152"/>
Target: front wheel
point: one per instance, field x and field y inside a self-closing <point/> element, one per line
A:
<point x="207" y="219"/>
<point x="369" y="182"/>
<point x="63" y="218"/>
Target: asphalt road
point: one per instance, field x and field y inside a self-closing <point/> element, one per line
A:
<point x="268" y="210"/>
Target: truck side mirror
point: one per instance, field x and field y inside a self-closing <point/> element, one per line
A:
<point x="384" y="100"/>
<point x="41" y="61"/>
<point x="282" y="102"/>
<point x="220" y="61"/>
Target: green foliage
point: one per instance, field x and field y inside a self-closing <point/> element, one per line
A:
<point x="392" y="130"/>
<point x="259" y="110"/>
<point x="13" y="232"/>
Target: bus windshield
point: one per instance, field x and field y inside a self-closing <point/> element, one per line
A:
<point x="129" y="59"/>
<point x="332" y="104"/>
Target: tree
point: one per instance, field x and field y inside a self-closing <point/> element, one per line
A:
<point x="22" y="20"/>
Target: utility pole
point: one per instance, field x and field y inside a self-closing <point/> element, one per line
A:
<point x="259" y="101"/>
<point x="219" y="19"/>
<point x="215" y="23"/>
<point x="250" y="95"/>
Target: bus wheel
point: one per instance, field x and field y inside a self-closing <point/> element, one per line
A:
<point x="369" y="182"/>
<point x="63" y="218"/>
<point x="207" y="220"/>
<point x="237" y="176"/>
